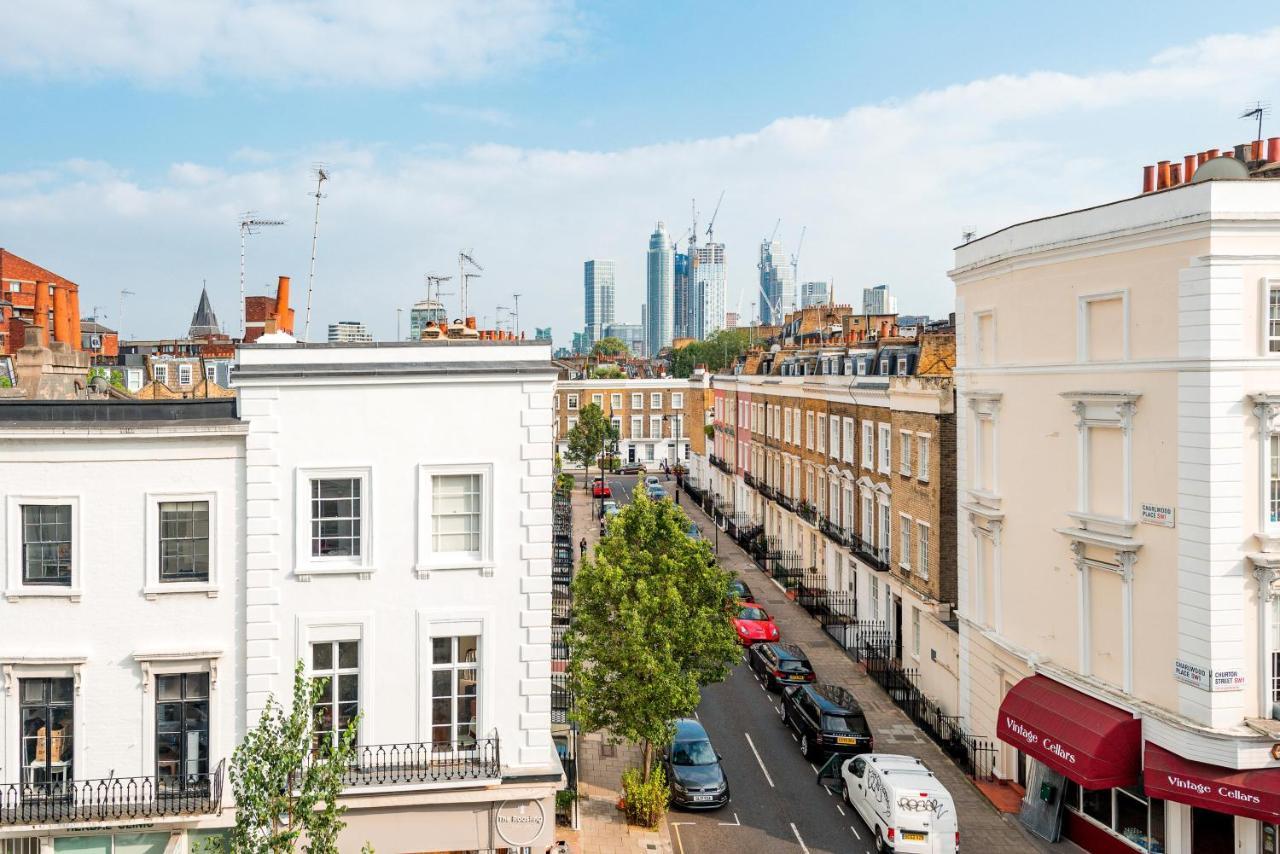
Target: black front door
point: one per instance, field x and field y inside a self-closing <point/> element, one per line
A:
<point x="897" y="627"/>
<point x="1212" y="832"/>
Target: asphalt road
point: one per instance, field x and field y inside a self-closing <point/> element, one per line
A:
<point x="777" y="804"/>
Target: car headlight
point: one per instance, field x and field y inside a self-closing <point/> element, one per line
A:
<point x="681" y="789"/>
<point x="773" y="631"/>
<point x="742" y="628"/>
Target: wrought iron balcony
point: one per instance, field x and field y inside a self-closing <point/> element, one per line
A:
<point x="877" y="557"/>
<point x="833" y="531"/>
<point x="808" y="512"/>
<point x="749" y="479"/>
<point x="110" y="799"/>
<point x="786" y="501"/>
<point x="721" y="464"/>
<point x="419" y="762"/>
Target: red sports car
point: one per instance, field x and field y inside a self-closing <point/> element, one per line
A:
<point x="600" y="489"/>
<point x="754" y="625"/>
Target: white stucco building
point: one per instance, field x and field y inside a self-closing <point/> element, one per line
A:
<point x="1119" y="509"/>
<point x="398" y="540"/>
<point x="120" y="556"/>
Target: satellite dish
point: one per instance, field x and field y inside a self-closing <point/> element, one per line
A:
<point x="1220" y="167"/>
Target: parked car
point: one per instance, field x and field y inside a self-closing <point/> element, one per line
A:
<point x="780" y="663"/>
<point x="600" y="488"/>
<point x="903" y="804"/>
<point x="656" y="492"/>
<point x="739" y="590"/>
<point x="693" y="769"/>
<point x="632" y="468"/>
<point x="754" y="624"/>
<point x="694" y="532"/>
<point x="608" y="507"/>
<point x="827" y="719"/>
<point x="651" y="480"/>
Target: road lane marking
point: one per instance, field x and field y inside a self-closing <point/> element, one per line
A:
<point x="675" y="825"/>
<point x="793" y="738"/>
<point x="815" y="770"/>
<point x="752" y="745"/>
<point x="803" y="847"/>
<point x="841" y="809"/>
<point x="734" y="823"/>
<point x="856" y="835"/>
<point x="828" y="788"/>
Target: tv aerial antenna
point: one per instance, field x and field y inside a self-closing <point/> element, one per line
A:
<point x="250" y="223"/>
<point x="321" y="174"/>
<point x="1257" y="111"/>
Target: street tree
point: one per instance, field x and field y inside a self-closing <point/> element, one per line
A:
<point x="610" y="345"/>
<point x="287" y="776"/>
<point x="717" y="352"/>
<point x="590" y="438"/>
<point x="649" y="626"/>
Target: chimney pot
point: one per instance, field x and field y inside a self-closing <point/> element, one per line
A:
<point x="1273" y="149"/>
<point x="471" y="323"/>
<point x="1255" y="150"/>
<point x="1148" y="179"/>
<point x="1175" y="174"/>
<point x="1188" y="167"/>
<point x="1210" y="154"/>
<point x="1162" y="179"/>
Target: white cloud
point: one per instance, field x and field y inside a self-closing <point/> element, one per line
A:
<point x="478" y="115"/>
<point x="885" y="189"/>
<point x="388" y="43"/>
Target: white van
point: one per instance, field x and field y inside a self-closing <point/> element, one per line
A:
<point x="907" y="808"/>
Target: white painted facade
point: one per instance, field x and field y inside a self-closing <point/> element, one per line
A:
<point x="400" y="421"/>
<point x="1110" y="360"/>
<point x="116" y="627"/>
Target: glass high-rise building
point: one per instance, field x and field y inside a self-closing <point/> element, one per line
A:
<point x="777" y="283"/>
<point x="815" y="293"/>
<point x="878" y="300"/>
<point x="597" y="292"/>
<point x="660" y="293"/>
<point x="712" y="280"/>
<point x="683" y="299"/>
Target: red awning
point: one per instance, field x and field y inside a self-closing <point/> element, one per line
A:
<point x="1089" y="741"/>
<point x="1252" y="794"/>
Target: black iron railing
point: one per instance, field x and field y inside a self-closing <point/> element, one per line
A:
<point x="423" y="762"/>
<point x="785" y="501"/>
<point x="110" y="799"/>
<point x="721" y="464"/>
<point x="832" y="531"/>
<point x="749" y="479"/>
<point x="561" y="698"/>
<point x="808" y="512"/>
<point x="876" y="556"/>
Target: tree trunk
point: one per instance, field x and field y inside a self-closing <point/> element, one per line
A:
<point x="646" y="756"/>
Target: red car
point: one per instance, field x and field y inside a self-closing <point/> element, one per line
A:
<point x="600" y="489"/>
<point x="754" y="625"/>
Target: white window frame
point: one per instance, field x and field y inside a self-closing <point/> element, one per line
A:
<point x="185" y="373"/>
<point x="915" y="633"/>
<point x="572" y="402"/>
<point x="862" y="367"/>
<point x="154" y="664"/>
<point x="655" y="400"/>
<point x="808" y="431"/>
<point x="924" y="443"/>
<point x="981" y="358"/>
<point x="14" y="586"/>
<point x="598" y="400"/>
<point x="822" y="433"/>
<point x="1082" y="323"/>
<point x="637" y="400"/>
<point x="328" y="627"/>
<point x="304" y="565"/>
<point x="1269" y="284"/>
<point x="868" y="511"/>
<point x="795" y="427"/>
<point x="924" y="551"/>
<point x="884" y="436"/>
<point x="904" y="541"/>
<point x="450" y="624"/>
<point x="655" y="420"/>
<point x="868" y="445"/>
<point x="786" y="425"/>
<point x="637" y="427"/>
<point x="677" y="400"/>
<point x="615" y="401"/>
<point x="14" y="668"/>
<point x="154" y="586"/>
<point x="161" y="373"/>
<point x="904" y="453"/>
<point x="427" y="560"/>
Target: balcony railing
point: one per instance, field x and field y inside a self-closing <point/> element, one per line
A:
<point x="111" y="799"/>
<point x="721" y="464"/>
<point x="876" y="556"/>
<point x="786" y="501"/>
<point x="749" y="479"/>
<point x="419" y="762"/>
<point x="833" y="531"/>
<point x="808" y="512"/>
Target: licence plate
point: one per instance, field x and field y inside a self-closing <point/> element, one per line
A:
<point x="846" y="741"/>
<point x="795" y="678"/>
<point x="703" y="798"/>
<point x="913" y="836"/>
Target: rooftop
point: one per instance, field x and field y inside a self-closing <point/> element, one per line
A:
<point x="114" y="414"/>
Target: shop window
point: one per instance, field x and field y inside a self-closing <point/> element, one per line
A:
<point x="1096" y="804"/>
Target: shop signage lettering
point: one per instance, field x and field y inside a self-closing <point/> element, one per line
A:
<point x="1229" y="792"/>
<point x="519" y="822"/>
<point x="1157" y="514"/>
<point x="1032" y="738"/>
<point x="1206" y="679"/>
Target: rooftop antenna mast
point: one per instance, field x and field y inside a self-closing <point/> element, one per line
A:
<point x="321" y="173"/>
<point x="1258" y="110"/>
<point x="497" y="316"/>
<point x="464" y="258"/>
<point x="516" y="312"/>
<point x="124" y="292"/>
<point x="437" y="280"/>
<point x="250" y="223"/>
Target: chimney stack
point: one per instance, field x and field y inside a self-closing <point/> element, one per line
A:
<point x="41" y="319"/>
<point x="61" y="315"/>
<point x="73" y="298"/>
<point x="1273" y="149"/>
<point x="284" y="314"/>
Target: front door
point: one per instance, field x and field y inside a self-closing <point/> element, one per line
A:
<point x="631" y="453"/>
<point x="1212" y="832"/>
<point x="897" y="627"/>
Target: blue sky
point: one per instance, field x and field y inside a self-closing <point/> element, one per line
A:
<point x="543" y="133"/>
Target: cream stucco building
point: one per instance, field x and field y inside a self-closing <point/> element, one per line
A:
<point x="1119" y="513"/>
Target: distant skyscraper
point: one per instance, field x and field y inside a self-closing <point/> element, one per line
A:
<point x="631" y="334"/>
<point x="777" y="283"/>
<point x="542" y="333"/>
<point x="581" y="344"/>
<point x="878" y="300"/>
<point x="730" y="320"/>
<point x="660" y="293"/>
<point x="346" y="331"/>
<point x="815" y="293"/>
<point x="425" y="311"/>
<point x="597" y="287"/>
<point x="682" y="297"/>
<point x="712" y="280"/>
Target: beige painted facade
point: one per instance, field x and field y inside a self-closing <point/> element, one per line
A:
<point x="1111" y="360"/>
<point x="657" y="420"/>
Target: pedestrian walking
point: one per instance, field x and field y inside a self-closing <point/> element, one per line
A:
<point x="582" y="548"/>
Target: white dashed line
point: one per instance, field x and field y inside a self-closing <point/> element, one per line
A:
<point x="803" y="847"/>
<point x="840" y="809"/>
<point x="793" y="738"/>
<point x="815" y="770"/>
<point x="855" y="832"/>
<point x="752" y="745"/>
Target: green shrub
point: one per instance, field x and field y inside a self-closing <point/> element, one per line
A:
<point x="565" y="799"/>
<point x="564" y="482"/>
<point x="646" y="802"/>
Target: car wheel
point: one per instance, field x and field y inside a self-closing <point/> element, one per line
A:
<point x="804" y="746"/>
<point x="845" y="794"/>
<point x="782" y="710"/>
<point x="881" y="847"/>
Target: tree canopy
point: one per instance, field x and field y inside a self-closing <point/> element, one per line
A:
<point x="590" y="437"/>
<point x="610" y="345"/>
<point x="718" y="352"/>
<point x="649" y="626"/>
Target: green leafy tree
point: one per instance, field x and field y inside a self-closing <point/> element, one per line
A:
<point x="607" y="372"/>
<point x="649" y="626"/>
<point x="590" y="438"/>
<point x="286" y="788"/>
<point x="718" y="352"/>
<point x="610" y="346"/>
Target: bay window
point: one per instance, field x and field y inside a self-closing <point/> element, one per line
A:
<point x="455" y="682"/>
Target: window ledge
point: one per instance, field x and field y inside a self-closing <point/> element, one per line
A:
<point x="423" y="570"/>
<point x="305" y="573"/>
<point x="151" y="591"/>
<point x="16" y="593"/>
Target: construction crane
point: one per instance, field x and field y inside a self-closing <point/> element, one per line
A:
<point x="322" y="175"/>
<point x="777" y="225"/>
<point x="250" y="223"/>
<point x="464" y="258"/>
<point x="795" y="259"/>
<point x="711" y="226"/>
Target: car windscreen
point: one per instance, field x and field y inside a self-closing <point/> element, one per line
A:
<point x="693" y="753"/>
<point x="793" y="665"/>
<point x="752" y="614"/>
<point x="851" y="724"/>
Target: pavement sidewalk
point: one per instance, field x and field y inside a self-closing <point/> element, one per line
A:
<point x="982" y="827"/>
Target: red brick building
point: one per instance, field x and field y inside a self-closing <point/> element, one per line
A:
<point x="30" y="295"/>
